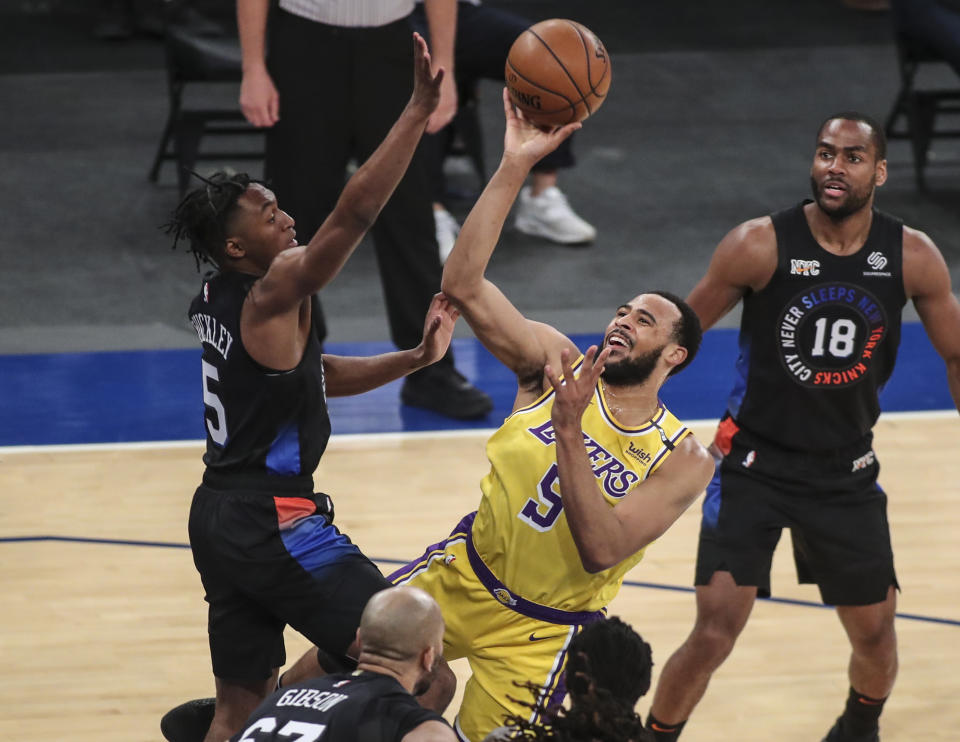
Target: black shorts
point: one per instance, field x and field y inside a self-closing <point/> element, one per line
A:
<point x="832" y="504"/>
<point x="267" y="560"/>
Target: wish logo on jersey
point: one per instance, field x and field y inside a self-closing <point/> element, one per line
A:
<point x="828" y="335"/>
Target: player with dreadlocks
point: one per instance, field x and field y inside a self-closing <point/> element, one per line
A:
<point x="264" y="544"/>
<point x="608" y="671"/>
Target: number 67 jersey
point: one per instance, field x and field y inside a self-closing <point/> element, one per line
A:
<point x="819" y="341"/>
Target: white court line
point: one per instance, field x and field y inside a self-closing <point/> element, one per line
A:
<point x="380" y="438"/>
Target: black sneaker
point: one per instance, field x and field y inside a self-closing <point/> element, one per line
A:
<point x="444" y="390"/>
<point x="837" y="734"/>
<point x="189" y="721"/>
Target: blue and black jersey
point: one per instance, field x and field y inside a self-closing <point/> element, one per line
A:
<point x="355" y="707"/>
<point x="819" y="341"/>
<point x="259" y="421"/>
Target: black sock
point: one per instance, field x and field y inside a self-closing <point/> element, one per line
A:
<point x="664" y="732"/>
<point x="862" y="714"/>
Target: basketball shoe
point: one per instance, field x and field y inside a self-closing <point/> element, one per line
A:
<point x="442" y="389"/>
<point x="189" y="721"/>
<point x="447" y="231"/>
<point x="549" y="215"/>
<point x="837" y="734"/>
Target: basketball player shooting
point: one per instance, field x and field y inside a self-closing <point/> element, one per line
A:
<point x="587" y="471"/>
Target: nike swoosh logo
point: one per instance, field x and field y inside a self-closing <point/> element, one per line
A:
<point x="535" y="638"/>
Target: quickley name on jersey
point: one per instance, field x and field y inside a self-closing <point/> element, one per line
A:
<point x="819" y="341"/>
<point x="258" y="420"/>
<point x="522" y="512"/>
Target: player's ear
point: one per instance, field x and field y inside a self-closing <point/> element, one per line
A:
<point x="427" y="658"/>
<point x="675" y="354"/>
<point x="880" y="176"/>
<point x="233" y="249"/>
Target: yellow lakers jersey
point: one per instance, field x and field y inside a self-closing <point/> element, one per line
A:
<point x="521" y="530"/>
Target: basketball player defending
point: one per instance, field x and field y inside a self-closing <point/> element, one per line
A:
<point x="587" y="471"/>
<point x="264" y="544"/>
<point x="823" y="285"/>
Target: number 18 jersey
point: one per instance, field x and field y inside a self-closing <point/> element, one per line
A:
<point x="819" y="341"/>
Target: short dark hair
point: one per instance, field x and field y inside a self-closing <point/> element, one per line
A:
<point x="687" y="331"/>
<point x="877" y="135"/>
<point x="614" y="657"/>
<point x="203" y="214"/>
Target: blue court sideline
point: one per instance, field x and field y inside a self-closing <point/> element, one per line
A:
<point x="155" y="395"/>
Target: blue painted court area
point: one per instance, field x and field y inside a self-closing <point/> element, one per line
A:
<point x="112" y="397"/>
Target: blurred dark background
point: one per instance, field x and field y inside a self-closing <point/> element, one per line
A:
<point x="710" y="121"/>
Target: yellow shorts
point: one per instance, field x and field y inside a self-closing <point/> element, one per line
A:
<point x="503" y="646"/>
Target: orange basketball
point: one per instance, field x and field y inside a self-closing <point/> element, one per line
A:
<point x="557" y="72"/>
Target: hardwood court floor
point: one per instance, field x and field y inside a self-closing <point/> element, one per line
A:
<point x="99" y="638"/>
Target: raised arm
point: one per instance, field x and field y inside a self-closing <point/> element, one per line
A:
<point x="297" y="273"/>
<point x="607" y="535"/>
<point x="745" y="259"/>
<point x="345" y="375"/>
<point x="522" y="345"/>
<point x="927" y="283"/>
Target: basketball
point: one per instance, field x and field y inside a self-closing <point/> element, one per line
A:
<point x="557" y="72"/>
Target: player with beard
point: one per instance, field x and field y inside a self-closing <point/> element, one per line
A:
<point x="400" y="641"/>
<point x="588" y="469"/>
<point x="823" y="285"/>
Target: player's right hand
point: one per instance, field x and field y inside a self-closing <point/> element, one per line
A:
<point x="426" y="85"/>
<point x="259" y="99"/>
<point x="526" y="141"/>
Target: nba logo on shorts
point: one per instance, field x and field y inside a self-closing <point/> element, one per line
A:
<point x="748" y="460"/>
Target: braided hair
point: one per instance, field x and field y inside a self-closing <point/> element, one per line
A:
<point x="202" y="216"/>
<point x="596" y="716"/>
<point x="608" y="670"/>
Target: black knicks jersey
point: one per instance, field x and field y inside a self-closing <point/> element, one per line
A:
<point x="354" y="707"/>
<point x="257" y="420"/>
<point x="819" y="341"/>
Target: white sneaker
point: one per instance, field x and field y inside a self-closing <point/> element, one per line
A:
<point x="550" y="216"/>
<point x="447" y="231"/>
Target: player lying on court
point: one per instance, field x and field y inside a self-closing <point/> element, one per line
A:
<point x="588" y="469"/>
<point x="264" y="544"/>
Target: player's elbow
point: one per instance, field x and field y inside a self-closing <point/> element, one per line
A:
<point x="458" y="289"/>
<point x="596" y="560"/>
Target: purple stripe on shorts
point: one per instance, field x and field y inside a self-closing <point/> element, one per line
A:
<point x="514" y="602"/>
<point x="460" y="531"/>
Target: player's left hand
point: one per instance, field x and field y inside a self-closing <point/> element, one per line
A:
<point x="525" y="140"/>
<point x="426" y="84"/>
<point x="572" y="395"/>
<point x="437" y="329"/>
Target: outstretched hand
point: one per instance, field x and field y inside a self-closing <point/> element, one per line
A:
<point x="572" y="394"/>
<point x="438" y="329"/>
<point x="426" y="84"/>
<point x="525" y="140"/>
